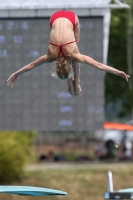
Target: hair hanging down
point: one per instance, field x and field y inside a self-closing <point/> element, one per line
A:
<point x="63" y="68"/>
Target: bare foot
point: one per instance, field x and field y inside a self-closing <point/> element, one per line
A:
<point x="71" y="86"/>
<point x="77" y="89"/>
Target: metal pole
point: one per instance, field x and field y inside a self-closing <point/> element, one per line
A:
<point x="110" y="182"/>
<point x="129" y="45"/>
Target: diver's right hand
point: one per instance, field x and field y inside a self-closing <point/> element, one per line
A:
<point x="11" y="79"/>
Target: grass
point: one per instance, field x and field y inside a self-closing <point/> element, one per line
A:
<point x="80" y="184"/>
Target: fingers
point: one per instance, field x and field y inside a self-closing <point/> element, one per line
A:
<point x="127" y="77"/>
<point x="124" y="75"/>
<point x="10" y="82"/>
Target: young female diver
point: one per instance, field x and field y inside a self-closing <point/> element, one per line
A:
<point x="63" y="49"/>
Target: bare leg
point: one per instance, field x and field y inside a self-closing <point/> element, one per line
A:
<point x="71" y="86"/>
<point x="77" y="87"/>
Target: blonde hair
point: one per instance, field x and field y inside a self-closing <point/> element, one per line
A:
<point x="63" y="68"/>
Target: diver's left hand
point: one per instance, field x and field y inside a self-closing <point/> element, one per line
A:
<point x="124" y="75"/>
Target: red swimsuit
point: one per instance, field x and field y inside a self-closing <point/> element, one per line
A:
<point x="66" y="14"/>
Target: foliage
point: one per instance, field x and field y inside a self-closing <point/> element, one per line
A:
<point x="15" y="149"/>
<point x="117" y="89"/>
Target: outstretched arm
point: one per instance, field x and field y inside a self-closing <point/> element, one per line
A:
<point x="41" y="60"/>
<point x="88" y="60"/>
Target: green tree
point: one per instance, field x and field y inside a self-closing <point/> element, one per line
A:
<point x="15" y="150"/>
<point x="117" y="93"/>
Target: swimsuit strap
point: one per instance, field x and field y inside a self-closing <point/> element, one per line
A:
<point x="60" y="46"/>
<point x="68" y="43"/>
